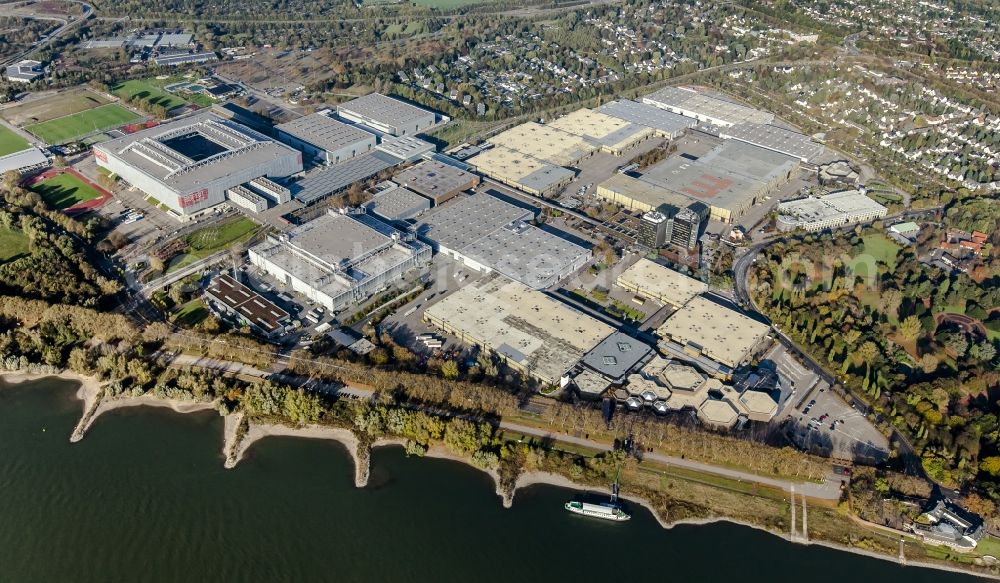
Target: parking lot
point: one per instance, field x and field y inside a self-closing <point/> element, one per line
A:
<point x="406" y="322"/>
<point x="818" y="419"/>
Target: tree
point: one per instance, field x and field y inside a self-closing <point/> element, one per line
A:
<point x="910" y="328"/>
<point x="450" y="369"/>
<point x="891" y="299"/>
<point x="984" y="351"/>
<point x="929" y="363"/>
<point x="990" y="465"/>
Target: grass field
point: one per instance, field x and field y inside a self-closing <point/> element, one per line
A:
<point x="66" y="129"/>
<point x="13" y="244"/>
<point x="205" y="242"/>
<point x="62" y="104"/>
<point x="11" y="141"/>
<point x="147" y="91"/>
<point x="191" y="314"/>
<point x="65" y="190"/>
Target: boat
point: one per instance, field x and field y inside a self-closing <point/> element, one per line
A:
<point x="604" y="510"/>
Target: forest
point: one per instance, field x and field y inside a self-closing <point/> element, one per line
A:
<point x="917" y="342"/>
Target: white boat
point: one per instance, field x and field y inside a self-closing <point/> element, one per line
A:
<point x="606" y="510"/>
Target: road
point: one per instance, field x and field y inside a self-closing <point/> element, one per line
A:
<point x="69" y="23"/>
<point x="829" y="489"/>
<point x="741" y="270"/>
<point x="158" y="284"/>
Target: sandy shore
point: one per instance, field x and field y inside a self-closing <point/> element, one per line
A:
<point x="90" y="392"/>
<point x="343" y="436"/>
<point x="105" y="405"/>
<point x="441" y="452"/>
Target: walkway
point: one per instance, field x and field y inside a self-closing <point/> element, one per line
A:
<point x="829" y="489"/>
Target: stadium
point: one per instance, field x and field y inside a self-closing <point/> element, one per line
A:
<point x="189" y="165"/>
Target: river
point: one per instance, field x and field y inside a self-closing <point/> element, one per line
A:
<point x="144" y="497"/>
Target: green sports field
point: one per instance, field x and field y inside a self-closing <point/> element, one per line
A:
<point x="146" y="91"/>
<point x="65" y="190"/>
<point x="209" y="240"/>
<point x="66" y="129"/>
<point x="11" y="142"/>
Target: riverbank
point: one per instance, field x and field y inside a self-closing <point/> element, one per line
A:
<point x="90" y="391"/>
<point x="105" y="405"/>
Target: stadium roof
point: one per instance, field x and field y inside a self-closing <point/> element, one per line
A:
<point x="647" y="115"/>
<point x="322" y="131"/>
<point x="339" y="176"/>
<point x="242" y="148"/>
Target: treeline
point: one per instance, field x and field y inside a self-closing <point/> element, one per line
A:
<point x="56" y="266"/>
<point x="884" y="329"/>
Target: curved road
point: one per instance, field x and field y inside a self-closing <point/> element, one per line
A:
<point x="68" y="23"/>
<point x="741" y="271"/>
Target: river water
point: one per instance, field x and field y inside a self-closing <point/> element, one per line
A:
<point x="144" y="497"/>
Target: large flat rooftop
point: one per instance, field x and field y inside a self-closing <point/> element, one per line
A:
<point x="545" y="143"/>
<point x="689" y="101"/>
<point x="322" y="131"/>
<point x="466" y="219"/>
<point x="384" y="109"/>
<point x="729" y="177"/>
<point x="337" y="239"/>
<point x="652" y="280"/>
<point x="617" y="355"/>
<point x="521" y="170"/>
<point x="435" y="180"/>
<point x="527" y="254"/>
<point x="335" y="251"/>
<point x="718" y="332"/>
<point x="601" y="129"/>
<point x="494" y="233"/>
<point x="660" y="120"/>
<point x="831" y="207"/>
<point x="532" y="330"/>
<point x="778" y="139"/>
<point x="339" y="176"/>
